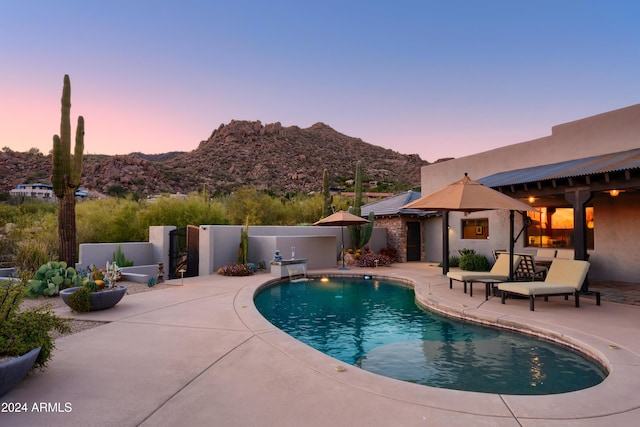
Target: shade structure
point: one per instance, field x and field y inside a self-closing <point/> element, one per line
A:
<point x="467" y="195"/>
<point x="341" y="218"/>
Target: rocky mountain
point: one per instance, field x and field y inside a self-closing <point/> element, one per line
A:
<point x="270" y="157"/>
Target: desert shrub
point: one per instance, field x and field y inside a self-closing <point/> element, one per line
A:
<point x="369" y="258"/>
<point x="32" y="253"/>
<point x="465" y="251"/>
<point x="23" y="330"/>
<point x="454" y="261"/>
<point x="235" y="270"/>
<point x="120" y="259"/>
<point x="80" y="300"/>
<point x="474" y="262"/>
<point x="252" y="266"/>
<point x="390" y="252"/>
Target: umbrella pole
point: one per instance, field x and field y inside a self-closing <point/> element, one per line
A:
<point x="511" y="244"/>
<point x="342" y="253"/>
<point x="445" y="242"/>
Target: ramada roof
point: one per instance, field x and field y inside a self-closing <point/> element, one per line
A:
<point x="606" y="163"/>
<point x="390" y="206"/>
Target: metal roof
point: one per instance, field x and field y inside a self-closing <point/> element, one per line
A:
<point x="588" y="166"/>
<point x="391" y="205"/>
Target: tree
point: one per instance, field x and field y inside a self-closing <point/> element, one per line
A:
<point x="67" y="170"/>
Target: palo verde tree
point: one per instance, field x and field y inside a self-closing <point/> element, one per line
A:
<point x="360" y="234"/>
<point x="67" y="170"/>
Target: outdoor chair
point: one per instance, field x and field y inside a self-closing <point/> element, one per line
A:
<point x="565" y="254"/>
<point x="565" y="277"/>
<point x="545" y="255"/>
<point x="499" y="273"/>
<point x="528" y="270"/>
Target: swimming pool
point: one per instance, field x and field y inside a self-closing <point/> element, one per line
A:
<point x="377" y="325"/>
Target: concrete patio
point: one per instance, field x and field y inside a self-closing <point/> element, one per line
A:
<point x="202" y="355"/>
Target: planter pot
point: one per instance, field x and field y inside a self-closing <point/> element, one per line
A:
<point x="13" y="371"/>
<point x="99" y="300"/>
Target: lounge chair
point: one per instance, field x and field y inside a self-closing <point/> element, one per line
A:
<point x="565" y="277"/>
<point x="499" y="272"/>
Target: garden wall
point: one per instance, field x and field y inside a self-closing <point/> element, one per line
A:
<point x="218" y="246"/>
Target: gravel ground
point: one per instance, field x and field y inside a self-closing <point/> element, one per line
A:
<point x="81" y="325"/>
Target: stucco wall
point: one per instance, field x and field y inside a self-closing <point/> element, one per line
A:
<point x="609" y="132"/>
<point x="141" y="253"/>
<point x="616" y="237"/>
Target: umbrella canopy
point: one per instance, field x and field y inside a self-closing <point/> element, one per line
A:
<point x="342" y="218"/>
<point x="468" y="196"/>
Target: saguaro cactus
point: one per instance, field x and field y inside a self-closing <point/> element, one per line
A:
<point x="243" y="250"/>
<point x="327" y="198"/>
<point x="360" y="234"/>
<point x="67" y="170"/>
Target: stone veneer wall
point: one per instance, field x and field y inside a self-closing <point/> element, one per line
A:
<point x="396" y="235"/>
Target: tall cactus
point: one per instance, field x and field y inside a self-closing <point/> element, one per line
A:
<point x="243" y="250"/>
<point x="327" y="198"/>
<point x="360" y="234"/>
<point x="67" y="170"/>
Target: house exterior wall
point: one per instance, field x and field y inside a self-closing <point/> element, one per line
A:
<point x="617" y="228"/>
<point x="610" y="132"/>
<point x="616" y="236"/>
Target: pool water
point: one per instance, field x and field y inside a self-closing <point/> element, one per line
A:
<point x="378" y="326"/>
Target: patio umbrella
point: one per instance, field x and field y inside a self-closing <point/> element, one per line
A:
<point x="341" y="218"/>
<point x="467" y="195"/>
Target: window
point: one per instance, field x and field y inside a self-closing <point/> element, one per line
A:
<point x="553" y="228"/>
<point x="477" y="228"/>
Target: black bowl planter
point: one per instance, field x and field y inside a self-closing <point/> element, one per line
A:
<point x="14" y="370"/>
<point x="100" y="300"/>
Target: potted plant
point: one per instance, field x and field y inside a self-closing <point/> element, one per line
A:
<point x="98" y="291"/>
<point x="25" y="342"/>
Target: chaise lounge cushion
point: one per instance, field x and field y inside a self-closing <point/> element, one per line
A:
<point x="499" y="271"/>
<point x="535" y="288"/>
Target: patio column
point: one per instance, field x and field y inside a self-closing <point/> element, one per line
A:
<point x="578" y="197"/>
<point x="445" y="242"/>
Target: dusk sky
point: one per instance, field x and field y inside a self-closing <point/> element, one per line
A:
<point x="443" y="78"/>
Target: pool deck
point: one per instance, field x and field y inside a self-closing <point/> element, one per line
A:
<point x="202" y="355"/>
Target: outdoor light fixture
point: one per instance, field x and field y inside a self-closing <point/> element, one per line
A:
<point x="532" y="199"/>
<point x="614" y="193"/>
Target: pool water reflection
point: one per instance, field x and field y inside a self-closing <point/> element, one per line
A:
<point x="378" y="326"/>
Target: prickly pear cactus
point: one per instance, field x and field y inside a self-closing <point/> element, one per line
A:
<point x="52" y="277"/>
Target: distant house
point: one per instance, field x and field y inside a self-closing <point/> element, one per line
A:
<point x="40" y="192"/>
<point x="404" y="226"/>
